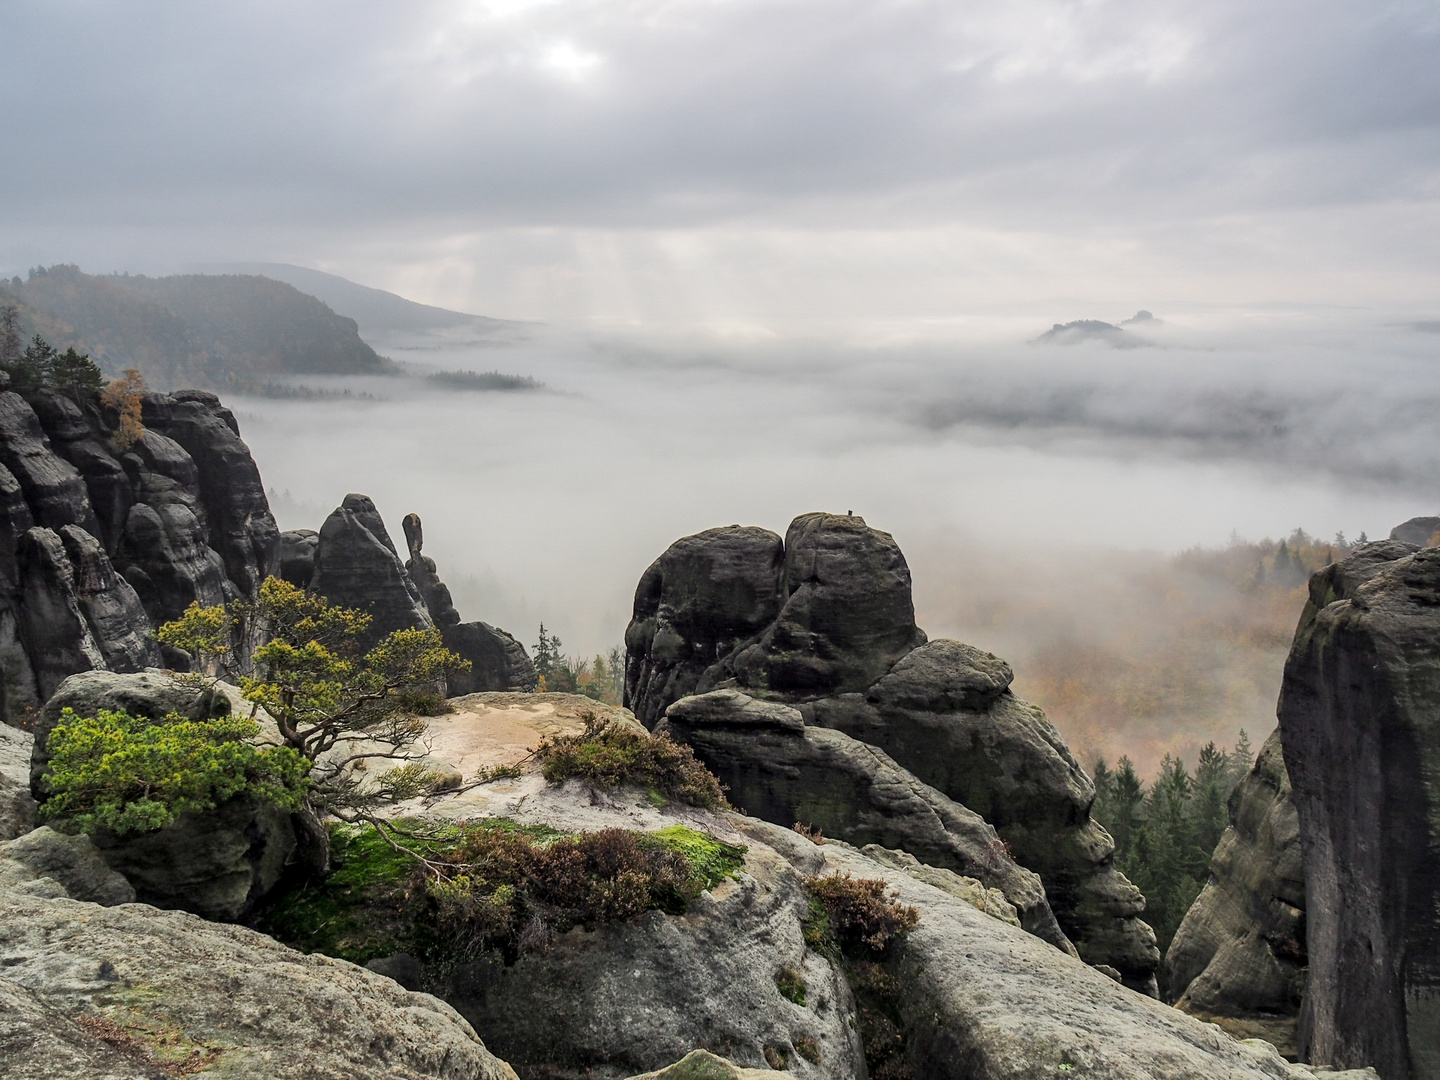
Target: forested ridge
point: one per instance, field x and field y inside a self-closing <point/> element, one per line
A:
<point x="224" y="332"/>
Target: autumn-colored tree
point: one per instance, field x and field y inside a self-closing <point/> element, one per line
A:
<point x="124" y="396"/>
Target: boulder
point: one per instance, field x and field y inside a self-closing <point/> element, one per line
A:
<point x="71" y="861"/>
<point x="356" y="566"/>
<point x="846" y="614"/>
<point x="218" y="864"/>
<point x="297" y="556"/>
<point x="1238" y="958"/>
<point x="1417" y="531"/>
<point x="146" y="693"/>
<point x="17" y="805"/>
<point x="497" y="660"/>
<point x="782" y="771"/>
<point x="619" y="998"/>
<point x="1358" y="702"/>
<point x="128" y="992"/>
<point x="636" y="995"/>
<point x="945" y="713"/>
<point x="704" y="596"/>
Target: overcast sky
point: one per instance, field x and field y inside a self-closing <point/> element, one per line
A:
<point x="741" y="163"/>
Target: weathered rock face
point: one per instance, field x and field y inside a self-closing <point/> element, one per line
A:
<point x="146" y="693"/>
<point x="842" y="647"/>
<point x="982" y="1001"/>
<point x="637" y="994"/>
<point x="128" y="538"/>
<point x="17" y="805"/>
<point x="46" y="857"/>
<point x="1358" y="708"/>
<point x="945" y="713"/>
<point x="497" y="660"/>
<point x="240" y="526"/>
<point x="782" y="771"/>
<point x="356" y="566"/>
<point x="707" y="594"/>
<point x="1238" y="957"/>
<point x="978" y="998"/>
<point x="217" y="864"/>
<point x="1417" y="531"/>
<point x="627" y="997"/>
<point x="161" y="988"/>
<point x="297" y="556"/>
<point x="846" y="615"/>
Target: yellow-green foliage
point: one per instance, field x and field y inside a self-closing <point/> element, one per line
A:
<point x="132" y="774"/>
<point x="617" y="755"/>
<point x="492" y="885"/>
<point x="310" y="676"/>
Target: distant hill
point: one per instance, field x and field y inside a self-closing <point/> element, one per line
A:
<point x="229" y="331"/>
<point x="376" y="311"/>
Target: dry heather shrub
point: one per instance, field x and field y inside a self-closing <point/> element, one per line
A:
<point x="613" y="755"/>
<point x="860" y="913"/>
<point x="504" y="881"/>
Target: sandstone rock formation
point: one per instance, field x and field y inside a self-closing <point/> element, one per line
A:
<point x="824" y="622"/>
<point x="147" y="693"/>
<point x="1357" y="718"/>
<point x="699" y="600"/>
<point x="1417" y="531"/>
<point x="978" y="998"/>
<point x="297" y="556"/>
<point x="17" y="805"/>
<point x="1238" y="957"/>
<point x="89" y="992"/>
<point x="356" y="566"/>
<point x="778" y="769"/>
<point x="217" y="864"/>
<point x="69" y="865"/>
<point x="629" y="997"/>
<point x="982" y="1001"/>
<point x="497" y="661"/>
<point x="98" y="544"/>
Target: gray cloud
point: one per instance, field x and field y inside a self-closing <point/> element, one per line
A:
<point x="631" y="112"/>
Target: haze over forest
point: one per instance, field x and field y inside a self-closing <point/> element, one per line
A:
<point x="772" y="257"/>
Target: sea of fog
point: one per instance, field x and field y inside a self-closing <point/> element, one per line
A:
<point x="997" y="463"/>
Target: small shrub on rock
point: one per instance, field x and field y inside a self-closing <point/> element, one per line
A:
<point x="791" y="985"/>
<point x="493" y="885"/>
<point x="860" y="913"/>
<point x="128" y="774"/>
<point x="614" y="755"/>
<point x="854" y="921"/>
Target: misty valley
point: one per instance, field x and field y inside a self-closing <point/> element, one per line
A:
<point x="557" y="698"/>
